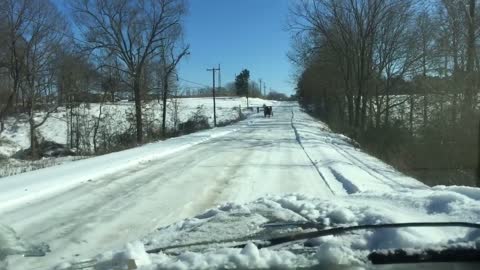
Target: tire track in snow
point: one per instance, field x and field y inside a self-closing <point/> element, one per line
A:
<point x="297" y="137"/>
<point x="377" y="171"/>
<point x="362" y="165"/>
<point x="349" y="187"/>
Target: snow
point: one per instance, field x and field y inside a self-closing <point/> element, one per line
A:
<point x="227" y="183"/>
<point x="35" y="185"/>
<point x="343" y="166"/>
<point x="250" y="257"/>
<point x="16" y="134"/>
<point x="9" y="243"/>
<point x="12" y="166"/>
<point x="349" y="249"/>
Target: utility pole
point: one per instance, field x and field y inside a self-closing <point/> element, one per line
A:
<point x="260" y="86"/>
<point x="264" y="90"/>
<point x="247" y="96"/>
<point x="219" y="78"/>
<point x="213" y="92"/>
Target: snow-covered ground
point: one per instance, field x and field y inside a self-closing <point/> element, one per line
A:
<point x="114" y="121"/>
<point x="16" y="134"/>
<point x="226" y="183"/>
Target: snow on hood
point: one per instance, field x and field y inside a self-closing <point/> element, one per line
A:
<point x="235" y="221"/>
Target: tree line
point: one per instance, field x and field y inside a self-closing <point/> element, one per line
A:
<point x="107" y="50"/>
<point x="399" y="76"/>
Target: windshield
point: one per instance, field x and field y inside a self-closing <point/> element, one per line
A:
<point x="203" y="134"/>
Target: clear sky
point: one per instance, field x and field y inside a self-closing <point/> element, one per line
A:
<point x="238" y="34"/>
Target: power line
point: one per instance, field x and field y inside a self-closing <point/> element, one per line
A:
<point x="192" y="82"/>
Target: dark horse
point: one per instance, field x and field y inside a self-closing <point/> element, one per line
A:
<point x="267" y="111"/>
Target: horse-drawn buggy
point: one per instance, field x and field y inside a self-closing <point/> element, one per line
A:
<point x="267" y="111"/>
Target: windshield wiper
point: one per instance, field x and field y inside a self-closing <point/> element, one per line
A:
<point x="428" y="255"/>
<point x="343" y="230"/>
<point x="302" y="224"/>
<point x="309" y="235"/>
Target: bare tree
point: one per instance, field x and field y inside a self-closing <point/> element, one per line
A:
<point x="470" y="90"/>
<point x="5" y="90"/>
<point x="350" y="29"/>
<point x="33" y="32"/>
<point x="14" y="29"/>
<point x="373" y="58"/>
<point x="170" y="56"/>
<point x="131" y="31"/>
<point x="392" y="56"/>
<point x="42" y="37"/>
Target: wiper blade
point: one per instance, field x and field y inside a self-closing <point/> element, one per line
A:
<point x="303" y="225"/>
<point x="204" y="243"/>
<point x="428" y="255"/>
<point x="343" y="230"/>
<point x="309" y="235"/>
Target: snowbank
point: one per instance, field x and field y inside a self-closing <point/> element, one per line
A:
<point x="244" y="223"/>
<point x="30" y="186"/>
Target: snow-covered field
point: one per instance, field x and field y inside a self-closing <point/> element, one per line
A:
<point x="227" y="183"/>
<point x="16" y="135"/>
<point x="114" y="121"/>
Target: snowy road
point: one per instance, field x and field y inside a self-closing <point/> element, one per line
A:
<point x="261" y="157"/>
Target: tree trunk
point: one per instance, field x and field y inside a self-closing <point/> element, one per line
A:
<point x="138" y="107"/>
<point x="363" y="119"/>
<point x="387" y="104"/>
<point x="164" y="109"/>
<point x="478" y="157"/>
<point x="425" y="108"/>
<point x="97" y="126"/>
<point x="412" y="107"/>
<point x="358" y="100"/>
<point x="454" y="108"/>
<point x="469" y="90"/>
<point x="77" y="128"/>
<point x="370" y="112"/>
<point x="378" y="108"/>
<point x="33" y="139"/>
<point x="350" y="109"/>
<point x="72" y="125"/>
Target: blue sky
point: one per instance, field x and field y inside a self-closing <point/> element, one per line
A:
<point x="238" y="34"/>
